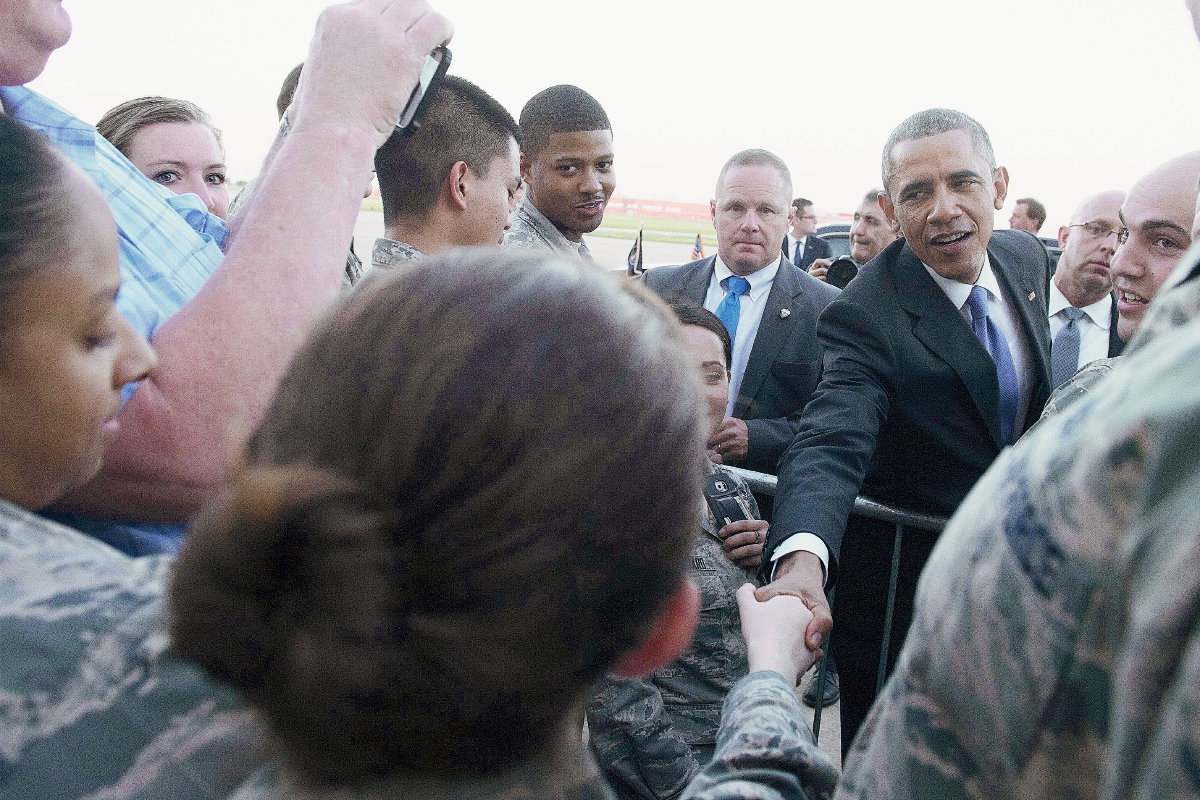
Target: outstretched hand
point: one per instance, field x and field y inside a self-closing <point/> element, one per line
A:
<point x="801" y="575"/>
<point x="774" y="632"/>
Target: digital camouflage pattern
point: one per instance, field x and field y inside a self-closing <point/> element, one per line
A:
<point x="91" y="703"/>
<point x="651" y="736"/>
<point x="1055" y="651"/>
<point x="1078" y="385"/>
<point x="389" y="253"/>
<point x="532" y="231"/>
<point x="765" y="752"/>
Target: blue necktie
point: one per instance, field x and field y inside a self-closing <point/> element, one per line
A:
<point x="1006" y="372"/>
<point x="731" y="307"/>
<point x="797" y="252"/>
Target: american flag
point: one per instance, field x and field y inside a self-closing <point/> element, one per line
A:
<point x="698" y="249"/>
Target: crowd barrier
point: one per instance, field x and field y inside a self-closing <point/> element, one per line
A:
<point x="761" y="483"/>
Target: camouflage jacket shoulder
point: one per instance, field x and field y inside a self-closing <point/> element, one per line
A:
<point x="92" y="704"/>
<point x="389" y="253"/>
<point x="1078" y="385"/>
<point x="531" y="230"/>
<point x="1055" y="650"/>
<point x="652" y="735"/>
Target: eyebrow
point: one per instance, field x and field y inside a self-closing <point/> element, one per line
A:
<point x="720" y="364"/>
<point x="173" y="163"/>
<point x="1153" y="224"/>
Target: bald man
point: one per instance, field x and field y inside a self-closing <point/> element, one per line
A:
<point x="1083" y="312"/>
<point x="1157" y="217"/>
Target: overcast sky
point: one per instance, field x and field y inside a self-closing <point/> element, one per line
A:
<point x="1078" y="95"/>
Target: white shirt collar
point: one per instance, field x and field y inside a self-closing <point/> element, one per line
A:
<point x="1099" y="312"/>
<point x="960" y="292"/>
<point x="760" y="281"/>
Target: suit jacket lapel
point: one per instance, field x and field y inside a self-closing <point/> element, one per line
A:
<point x="941" y="327"/>
<point x="773" y="331"/>
<point x="695" y="283"/>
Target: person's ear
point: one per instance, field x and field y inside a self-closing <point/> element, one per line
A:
<point x="889" y="211"/>
<point x="1063" y="231"/>
<point x="526" y="167"/>
<point x="456" y="188"/>
<point x="712" y="209"/>
<point x="669" y="636"/>
<point x="1000" y="181"/>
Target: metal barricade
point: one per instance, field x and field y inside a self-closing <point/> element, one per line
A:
<point x="864" y="507"/>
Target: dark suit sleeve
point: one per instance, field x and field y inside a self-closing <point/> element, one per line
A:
<point x="822" y="471"/>
<point x="769" y="440"/>
<point x="821" y="248"/>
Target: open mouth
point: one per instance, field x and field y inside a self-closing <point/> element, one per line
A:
<point x="950" y="240"/>
<point x="590" y="208"/>
<point x="1131" y="300"/>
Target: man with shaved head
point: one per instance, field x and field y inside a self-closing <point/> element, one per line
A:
<point x="1083" y="313"/>
<point x="1157" y="218"/>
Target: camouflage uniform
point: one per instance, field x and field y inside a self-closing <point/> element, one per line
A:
<point x="389" y="253"/>
<point x="765" y="751"/>
<point x="651" y="736"/>
<point x="1055" y="650"/>
<point x="91" y="705"/>
<point x="532" y="231"/>
<point x="1078" y="385"/>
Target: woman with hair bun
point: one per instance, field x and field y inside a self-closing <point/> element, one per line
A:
<point x="473" y="494"/>
<point x="90" y="704"/>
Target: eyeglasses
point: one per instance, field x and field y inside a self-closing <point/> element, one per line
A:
<point x="1100" y="230"/>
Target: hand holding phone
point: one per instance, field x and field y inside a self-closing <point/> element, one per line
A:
<point x="431" y="78"/>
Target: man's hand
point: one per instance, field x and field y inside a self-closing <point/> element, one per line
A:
<point x="743" y="541"/>
<point x="774" y="632"/>
<point x="820" y="268"/>
<point x="731" y="441"/>
<point x="364" y="61"/>
<point x="800" y="574"/>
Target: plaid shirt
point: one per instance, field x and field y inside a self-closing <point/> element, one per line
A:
<point x="169" y="246"/>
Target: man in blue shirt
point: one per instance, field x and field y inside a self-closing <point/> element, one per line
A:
<point x="224" y="324"/>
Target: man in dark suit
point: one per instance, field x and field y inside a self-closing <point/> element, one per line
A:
<point x="769" y="305"/>
<point x="936" y="357"/>
<point x="802" y="246"/>
<point x="1083" y="311"/>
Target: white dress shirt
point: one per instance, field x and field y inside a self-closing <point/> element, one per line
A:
<point x="1004" y="319"/>
<point x="750" y="311"/>
<point x="793" y="243"/>
<point x="1093" y="325"/>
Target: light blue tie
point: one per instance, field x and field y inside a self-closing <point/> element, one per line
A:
<point x="1006" y="372"/>
<point x="1064" y="350"/>
<point x="731" y="307"/>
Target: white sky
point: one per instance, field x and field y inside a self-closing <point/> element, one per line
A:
<point x="1078" y="95"/>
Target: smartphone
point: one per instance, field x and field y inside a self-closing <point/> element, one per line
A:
<point x="723" y="500"/>
<point x="436" y="64"/>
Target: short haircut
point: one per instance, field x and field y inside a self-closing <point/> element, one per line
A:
<point x="462" y="123"/>
<point x="559" y="109"/>
<point x="689" y="313"/>
<point x="431" y="584"/>
<point x="872" y="197"/>
<point x="288" y="90"/>
<point x="34" y="207"/>
<point x="932" y="122"/>
<point x="1034" y="210"/>
<point x="757" y="158"/>
<point x="120" y="124"/>
<point x="801" y="203"/>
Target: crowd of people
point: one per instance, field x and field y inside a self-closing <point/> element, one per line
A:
<point x="461" y="524"/>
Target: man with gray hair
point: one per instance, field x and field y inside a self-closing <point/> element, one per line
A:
<point x="769" y="305"/>
<point x="937" y="356"/>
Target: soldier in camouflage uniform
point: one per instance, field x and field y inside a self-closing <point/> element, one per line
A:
<point x="389" y="253"/>
<point x="567" y="165"/>
<point x="1054" y="651"/>
<point x="91" y="702"/>
<point x="652" y="735"/>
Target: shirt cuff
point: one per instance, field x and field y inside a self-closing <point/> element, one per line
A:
<point x="806" y="543"/>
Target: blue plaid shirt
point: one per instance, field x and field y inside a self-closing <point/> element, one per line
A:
<point x="169" y="246"/>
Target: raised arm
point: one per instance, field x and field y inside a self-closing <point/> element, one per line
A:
<point x="222" y="354"/>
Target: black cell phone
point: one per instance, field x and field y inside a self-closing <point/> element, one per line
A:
<point x="723" y="500"/>
<point x="432" y="74"/>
